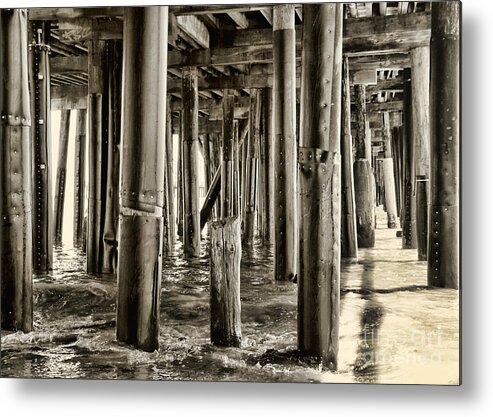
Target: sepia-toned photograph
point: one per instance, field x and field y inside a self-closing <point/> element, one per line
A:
<point x="231" y="192"/>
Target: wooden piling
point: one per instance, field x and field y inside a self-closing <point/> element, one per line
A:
<point x="349" y="240"/>
<point x="190" y="129"/>
<point x="143" y="165"/>
<point x="79" y="176"/>
<point x="96" y="121"/>
<point x="364" y="182"/>
<point x="179" y="190"/>
<point x="111" y="155"/>
<point x="225" y="282"/>
<point x="268" y="219"/>
<point x="251" y="175"/>
<point x="226" y="243"/>
<point x="420" y="69"/>
<point x="227" y="168"/>
<point x="319" y="159"/>
<point x="41" y="141"/>
<point x="388" y="174"/>
<point x="444" y="227"/>
<point x="15" y="173"/>
<point x="61" y="174"/>
<point x="285" y="160"/>
<point x="169" y="213"/>
<point x="409" y="238"/>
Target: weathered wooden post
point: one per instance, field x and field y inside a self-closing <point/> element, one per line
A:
<point x="190" y="131"/>
<point x="142" y="195"/>
<point x="420" y="72"/>
<point x="388" y="174"/>
<point x="443" y="246"/>
<point x="409" y="238"/>
<point x="285" y="155"/>
<point x="364" y="182"/>
<point x="79" y="175"/>
<point x="319" y="159"/>
<point x="268" y="220"/>
<point x="179" y="191"/>
<point x="226" y="246"/>
<point x="41" y="141"/>
<point x="96" y="121"/>
<point x="61" y="174"/>
<point x="349" y="239"/>
<point x="169" y="213"/>
<point x="15" y="173"/>
<point x="111" y="155"/>
<point x="227" y="168"/>
<point x="251" y="184"/>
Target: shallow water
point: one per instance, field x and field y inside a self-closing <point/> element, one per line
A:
<point x="393" y="329"/>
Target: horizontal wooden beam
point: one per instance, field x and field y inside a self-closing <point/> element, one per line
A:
<point x="68" y="97"/>
<point x="194" y="28"/>
<point x="225" y="8"/>
<point x="83" y="28"/>
<point x="64" y="64"/>
<point x="386" y="33"/>
<point x="374" y="62"/>
<point x="58" y="13"/>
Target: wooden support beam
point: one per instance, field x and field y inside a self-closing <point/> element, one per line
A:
<point x="15" y="174"/>
<point x="226" y="245"/>
<point x="227" y="168"/>
<point x="225" y="282"/>
<point x="210" y="198"/>
<point x="267" y="13"/>
<point x="349" y="241"/>
<point x="41" y="140"/>
<point x="251" y="173"/>
<point x="420" y="70"/>
<point x="388" y="174"/>
<point x="169" y="181"/>
<point x="64" y="64"/>
<point x="194" y="28"/>
<point x="191" y="213"/>
<point x="61" y="175"/>
<point x="60" y="13"/>
<point x="142" y="197"/>
<point x="285" y="169"/>
<point x="71" y="30"/>
<point x="408" y="217"/>
<point x="239" y="19"/>
<point x="68" y="97"/>
<point x="216" y="9"/>
<point x="113" y="75"/>
<point x="443" y="246"/>
<point x="97" y="122"/>
<point x="374" y="62"/>
<point x="79" y="176"/>
<point x="267" y="161"/>
<point x="364" y="186"/>
<point x="319" y="155"/>
<point x="366" y="35"/>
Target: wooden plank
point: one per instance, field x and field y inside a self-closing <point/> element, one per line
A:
<point x="66" y="64"/>
<point x="60" y="13"/>
<point x="82" y="29"/>
<point x="398" y="32"/>
<point x="195" y="29"/>
<point x="239" y="18"/>
<point x="61" y="176"/>
<point x="267" y="13"/>
<point x="225" y="8"/>
<point x="363" y="77"/>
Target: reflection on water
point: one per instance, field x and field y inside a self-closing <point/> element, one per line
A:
<point x="393" y="328"/>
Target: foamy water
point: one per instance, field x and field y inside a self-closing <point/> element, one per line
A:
<point x="393" y="329"/>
